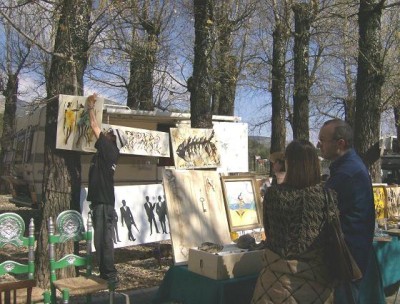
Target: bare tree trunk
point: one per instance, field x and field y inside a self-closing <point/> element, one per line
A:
<point x="303" y="19"/>
<point x="143" y="56"/>
<point x="201" y="82"/>
<point x="62" y="169"/>
<point x="10" y="107"/>
<point x="396" y="112"/>
<point x="350" y="100"/>
<point x="369" y="86"/>
<point x="226" y="72"/>
<point x="278" y="89"/>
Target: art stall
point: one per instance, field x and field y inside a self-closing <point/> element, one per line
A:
<point x="205" y="202"/>
<point x="383" y="275"/>
<point x="214" y="216"/>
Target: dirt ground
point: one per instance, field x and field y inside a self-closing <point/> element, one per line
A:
<point x="138" y="266"/>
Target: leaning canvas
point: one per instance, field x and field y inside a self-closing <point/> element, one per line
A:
<point x="196" y="210"/>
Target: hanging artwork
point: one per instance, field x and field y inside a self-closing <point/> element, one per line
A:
<point x="143" y="142"/>
<point x="73" y="124"/>
<point x="393" y="202"/>
<point x="380" y="201"/>
<point x="195" y="210"/>
<point x="241" y="202"/>
<point x="140" y="214"/>
<point x="195" y="148"/>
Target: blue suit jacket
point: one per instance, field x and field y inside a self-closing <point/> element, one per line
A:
<point x="350" y="179"/>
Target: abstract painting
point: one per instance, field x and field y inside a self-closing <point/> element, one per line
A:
<point x="73" y="125"/>
<point x="195" y="209"/>
<point x="195" y="148"/>
<point x="143" y="142"/>
<point x="140" y="214"/>
<point x="380" y="201"/>
<point x="241" y="202"/>
<point x="233" y="146"/>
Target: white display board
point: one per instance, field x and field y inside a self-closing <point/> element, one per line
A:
<point x="233" y="146"/>
<point x="143" y="142"/>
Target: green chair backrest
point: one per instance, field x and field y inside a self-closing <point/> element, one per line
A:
<point x="69" y="226"/>
<point x="12" y="230"/>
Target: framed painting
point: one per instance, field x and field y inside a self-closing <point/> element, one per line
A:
<point x="241" y="202"/>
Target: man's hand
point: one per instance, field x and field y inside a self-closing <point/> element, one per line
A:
<point x="91" y="100"/>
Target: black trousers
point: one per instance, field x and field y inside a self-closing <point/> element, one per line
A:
<point x="103" y="216"/>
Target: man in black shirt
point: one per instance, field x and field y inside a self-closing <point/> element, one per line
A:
<point x="101" y="192"/>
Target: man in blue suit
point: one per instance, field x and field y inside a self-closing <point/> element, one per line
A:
<point x="350" y="179"/>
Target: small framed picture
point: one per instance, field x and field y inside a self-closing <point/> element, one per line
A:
<point x="241" y="202"/>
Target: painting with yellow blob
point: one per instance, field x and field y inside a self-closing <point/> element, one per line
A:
<point x="380" y="201"/>
<point x="241" y="202"/>
<point x="73" y="124"/>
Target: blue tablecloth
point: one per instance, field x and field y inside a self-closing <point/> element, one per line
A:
<point x="388" y="256"/>
<point x="183" y="286"/>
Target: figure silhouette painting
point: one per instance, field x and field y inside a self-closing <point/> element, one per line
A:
<point x="127" y="217"/>
<point x="149" y="207"/>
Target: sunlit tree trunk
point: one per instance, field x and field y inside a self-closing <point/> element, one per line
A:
<point x="62" y="169"/>
<point x="303" y="19"/>
<point x="200" y="83"/>
<point x="226" y="72"/>
<point x="278" y="87"/>
<point x="144" y="54"/>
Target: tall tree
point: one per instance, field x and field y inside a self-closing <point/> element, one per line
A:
<point x="200" y="84"/>
<point x="303" y="15"/>
<point x="144" y="52"/>
<point x="225" y="70"/>
<point x="231" y="21"/>
<point x="62" y="169"/>
<point x="281" y="35"/>
<point x="369" y="85"/>
<point x="15" y="57"/>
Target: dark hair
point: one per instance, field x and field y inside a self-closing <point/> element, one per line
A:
<point x="303" y="169"/>
<point x="342" y="130"/>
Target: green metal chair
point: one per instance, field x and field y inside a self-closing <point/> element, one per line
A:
<point x="20" y="286"/>
<point x="70" y="226"/>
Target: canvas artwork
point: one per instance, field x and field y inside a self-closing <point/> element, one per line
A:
<point x="380" y="201"/>
<point x="144" y="142"/>
<point x="140" y="214"/>
<point x="241" y="202"/>
<point x="195" y="209"/>
<point x="195" y="148"/>
<point x="233" y="146"/>
<point x="393" y="202"/>
<point x="73" y="125"/>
